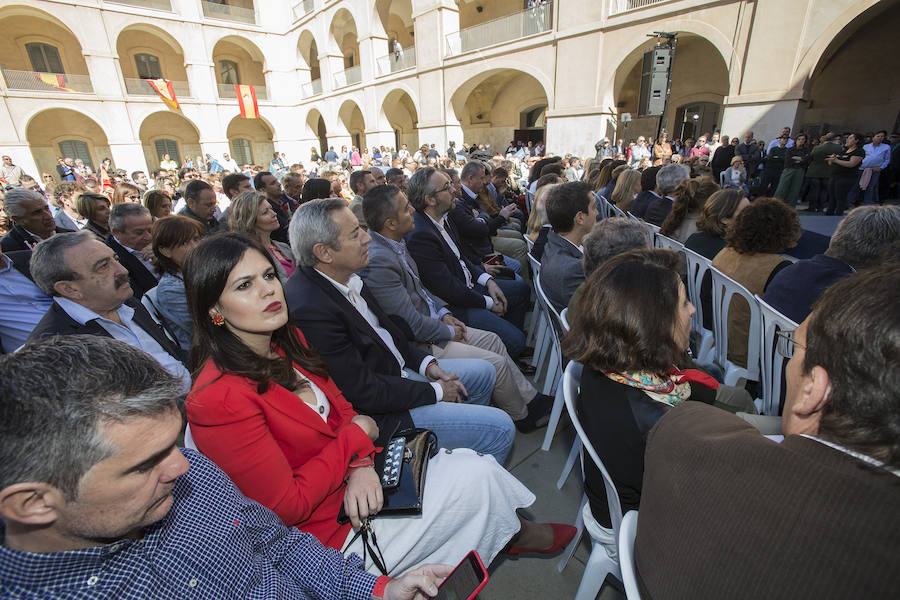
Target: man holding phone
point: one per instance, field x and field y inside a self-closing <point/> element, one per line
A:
<point x="101" y="502"/>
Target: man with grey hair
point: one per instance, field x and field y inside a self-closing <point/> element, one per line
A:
<point x="31" y="218"/>
<point x="863" y="239"/>
<point x="667" y="179"/>
<point x="97" y="499"/>
<point x="369" y="355"/>
<point x="91" y="295"/>
<point x="609" y="237"/>
<point x="130" y="225"/>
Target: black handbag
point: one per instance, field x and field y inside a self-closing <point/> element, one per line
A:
<point x="402" y="467"/>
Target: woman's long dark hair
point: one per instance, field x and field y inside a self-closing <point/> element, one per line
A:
<point x="206" y="272"/>
<point x="316" y="188"/>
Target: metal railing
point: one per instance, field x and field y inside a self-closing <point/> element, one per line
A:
<point x="140" y="87"/>
<point x="47" y="82"/>
<point x="520" y="24"/>
<point x="393" y="62"/>
<point x="156" y="4"/>
<point x="620" y="6"/>
<point x="347" y="77"/>
<point x="214" y="10"/>
<point x="303" y="8"/>
<point x="227" y="91"/>
<point x="313" y="88"/>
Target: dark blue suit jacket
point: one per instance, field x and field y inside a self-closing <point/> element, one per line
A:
<point x="440" y="269"/>
<point x="358" y="360"/>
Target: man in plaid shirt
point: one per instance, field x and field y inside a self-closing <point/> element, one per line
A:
<point x="97" y="501"/>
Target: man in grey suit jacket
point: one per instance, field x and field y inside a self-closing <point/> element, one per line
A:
<point x="393" y="278"/>
<point x="572" y="213"/>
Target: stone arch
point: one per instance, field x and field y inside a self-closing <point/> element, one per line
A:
<point x="395" y="20"/>
<point x="50" y="131"/>
<point x="343" y="35"/>
<point x="317" y="130"/>
<point x="308" y="53"/>
<point x="846" y="89"/>
<point x="250" y="61"/>
<point x="160" y="129"/>
<point x="141" y="38"/>
<point x="489" y="106"/>
<point x="24" y="25"/>
<point x="352" y="119"/>
<point x="258" y="134"/>
<point x="700" y="76"/>
<point x="399" y="114"/>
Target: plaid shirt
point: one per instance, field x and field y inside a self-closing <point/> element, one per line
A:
<point x="214" y="543"/>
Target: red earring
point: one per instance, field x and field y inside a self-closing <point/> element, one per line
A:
<point x="218" y="319"/>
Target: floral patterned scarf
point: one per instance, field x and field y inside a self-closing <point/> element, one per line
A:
<point x="671" y="389"/>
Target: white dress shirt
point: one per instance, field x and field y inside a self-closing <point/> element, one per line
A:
<point x="482" y="279"/>
<point x="139" y="255"/>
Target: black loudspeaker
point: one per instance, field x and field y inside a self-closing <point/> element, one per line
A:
<point x="654" y="81"/>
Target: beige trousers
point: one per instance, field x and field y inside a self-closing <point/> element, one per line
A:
<point x="513" y="391"/>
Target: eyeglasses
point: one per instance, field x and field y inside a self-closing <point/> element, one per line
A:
<point x="786" y="343"/>
<point x="446" y="188"/>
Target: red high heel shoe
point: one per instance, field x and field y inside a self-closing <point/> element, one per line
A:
<point x="562" y="535"/>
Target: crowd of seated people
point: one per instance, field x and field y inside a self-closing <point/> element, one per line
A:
<point x="295" y="362"/>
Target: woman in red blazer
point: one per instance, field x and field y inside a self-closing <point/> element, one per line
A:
<point x="264" y="409"/>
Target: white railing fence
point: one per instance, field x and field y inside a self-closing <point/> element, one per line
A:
<point x="511" y="27"/>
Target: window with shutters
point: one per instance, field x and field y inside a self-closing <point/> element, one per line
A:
<point x="147" y="66"/>
<point x="241" y="151"/>
<point x="228" y="71"/>
<point x="44" y="58"/>
<point x="75" y="149"/>
<point x="169" y="147"/>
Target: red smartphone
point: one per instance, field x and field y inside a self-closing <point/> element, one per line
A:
<point x="465" y="581"/>
<point x="496" y="259"/>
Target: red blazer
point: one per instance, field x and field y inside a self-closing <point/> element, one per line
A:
<point x="277" y="449"/>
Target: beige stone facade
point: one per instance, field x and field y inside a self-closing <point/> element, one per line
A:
<point x="389" y="72"/>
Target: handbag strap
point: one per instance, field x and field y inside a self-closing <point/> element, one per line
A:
<point x="365" y="532"/>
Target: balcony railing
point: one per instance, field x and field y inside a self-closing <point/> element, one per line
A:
<point x="227" y="91"/>
<point x="620" y="6"/>
<point x="47" y="82"/>
<point x="157" y="4"/>
<point x="511" y="27"/>
<point x="313" y="88"/>
<point x="347" y="77"/>
<point x="214" y="10"/>
<point x="394" y="62"/>
<point x="140" y="87"/>
<point x="303" y="8"/>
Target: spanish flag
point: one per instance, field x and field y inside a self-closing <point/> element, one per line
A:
<point x="165" y="90"/>
<point x="54" y="80"/>
<point x="246" y="97"/>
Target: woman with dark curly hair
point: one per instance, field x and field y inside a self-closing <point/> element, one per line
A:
<point x="631" y="331"/>
<point x="690" y="197"/>
<point x="753" y="243"/>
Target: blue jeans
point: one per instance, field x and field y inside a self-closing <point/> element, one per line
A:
<point x="517" y="293"/>
<point x="513" y="264"/>
<point x="482" y="428"/>
<point x="478" y="376"/>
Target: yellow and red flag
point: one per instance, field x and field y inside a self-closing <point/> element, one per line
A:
<point x="54" y="80"/>
<point x="246" y="97"/>
<point x="166" y="91"/>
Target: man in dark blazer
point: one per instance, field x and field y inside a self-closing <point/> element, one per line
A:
<point x="269" y="186"/>
<point x="92" y="296"/>
<point x="727" y="513"/>
<point x="368" y="355"/>
<point x="474" y="296"/>
<point x="130" y="225"/>
<point x="572" y="214"/>
<point x="32" y="220"/>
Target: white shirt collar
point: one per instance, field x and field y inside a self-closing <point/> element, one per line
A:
<point x="353" y="285"/>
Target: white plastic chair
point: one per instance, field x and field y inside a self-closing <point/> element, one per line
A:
<point x="541" y="336"/>
<point x="188" y="438"/>
<point x="772" y="364"/>
<point x="724" y="289"/>
<point x="663" y="241"/>
<point x="604" y="557"/>
<point x="532" y="319"/>
<point x="626" y="554"/>
<point x="529" y="201"/>
<point x="652" y="231"/>
<point x="555" y="366"/>
<point x="697" y="266"/>
<point x="150" y="302"/>
<point x="618" y="212"/>
<point x="564" y="319"/>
